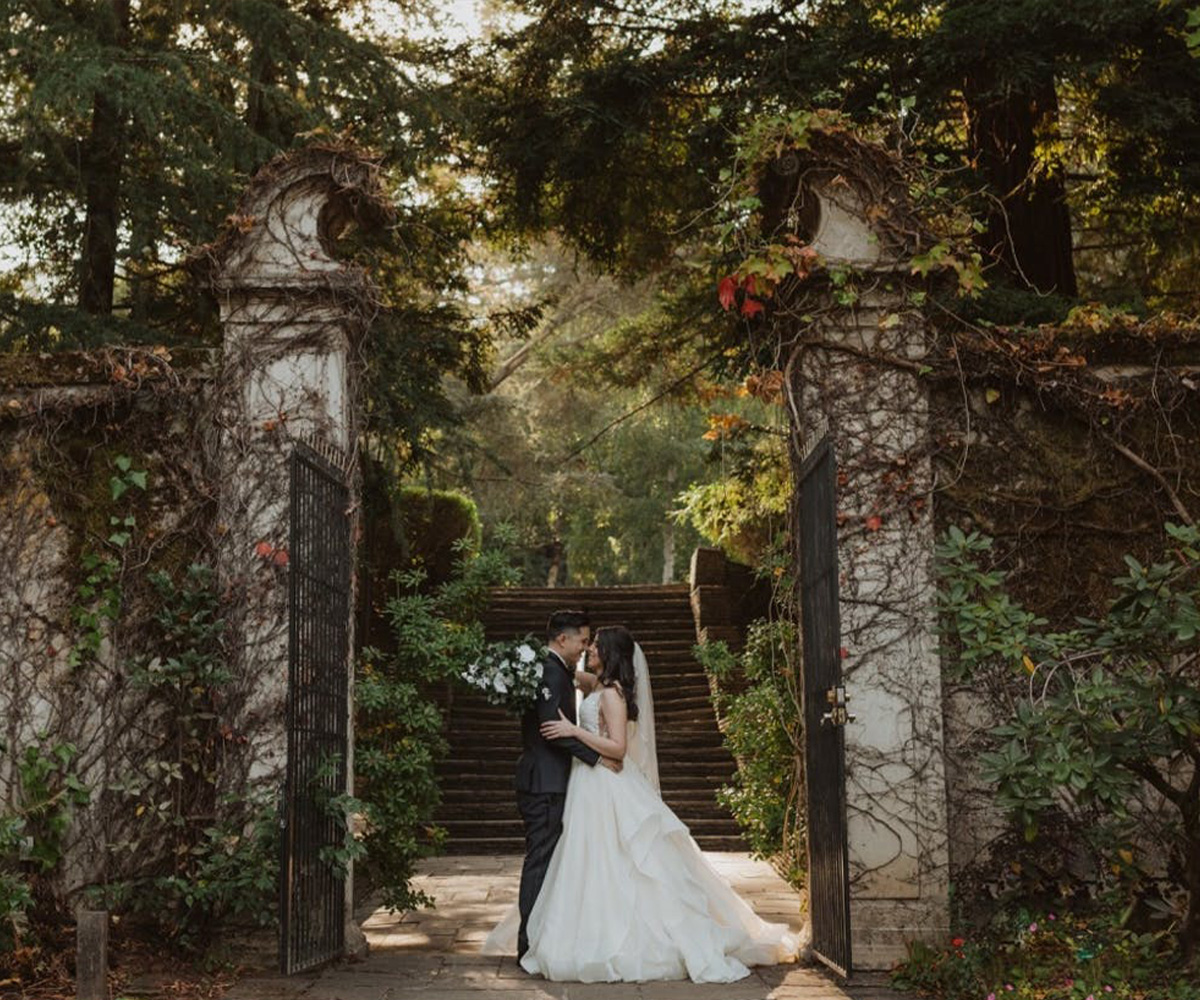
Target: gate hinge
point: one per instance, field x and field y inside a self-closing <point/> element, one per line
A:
<point x="837" y="714"/>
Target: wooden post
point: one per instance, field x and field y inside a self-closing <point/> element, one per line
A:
<point x="91" y="955"/>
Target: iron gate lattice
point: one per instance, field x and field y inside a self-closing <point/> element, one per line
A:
<point x="312" y="890"/>
<point x="824" y="707"/>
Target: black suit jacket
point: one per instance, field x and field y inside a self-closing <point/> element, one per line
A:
<point x="545" y="764"/>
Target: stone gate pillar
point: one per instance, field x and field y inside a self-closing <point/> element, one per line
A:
<point x="293" y="317"/>
<point x="856" y="370"/>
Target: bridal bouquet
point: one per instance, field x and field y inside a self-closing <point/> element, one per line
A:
<point x="508" y="673"/>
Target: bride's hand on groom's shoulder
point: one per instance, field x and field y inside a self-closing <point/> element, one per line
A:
<point x="559" y="728"/>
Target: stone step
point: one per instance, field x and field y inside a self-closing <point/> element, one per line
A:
<point x="460" y="814"/>
<point x="479" y="807"/>
<point x="510" y="827"/>
<point x="515" y="846"/>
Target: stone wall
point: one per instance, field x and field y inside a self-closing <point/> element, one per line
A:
<point x="214" y="432"/>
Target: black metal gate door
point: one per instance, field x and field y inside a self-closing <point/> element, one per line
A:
<point x="824" y="707"/>
<point x="312" y="890"/>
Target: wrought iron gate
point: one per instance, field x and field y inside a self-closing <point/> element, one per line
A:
<point x="824" y="707"/>
<point x="312" y="890"/>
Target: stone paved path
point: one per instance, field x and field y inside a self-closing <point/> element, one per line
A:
<point x="435" y="952"/>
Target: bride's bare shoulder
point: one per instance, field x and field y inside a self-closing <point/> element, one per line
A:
<point x="612" y="695"/>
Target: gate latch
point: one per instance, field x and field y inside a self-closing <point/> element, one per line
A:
<point x="837" y="714"/>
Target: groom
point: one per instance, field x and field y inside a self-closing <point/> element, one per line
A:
<point x="545" y="765"/>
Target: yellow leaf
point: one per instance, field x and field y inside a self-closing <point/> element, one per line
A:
<point x="1126" y="855"/>
<point x="992" y="395"/>
<point x="140" y="809"/>
<point x="1030" y="666"/>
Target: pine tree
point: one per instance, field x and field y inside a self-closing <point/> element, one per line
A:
<point x="130" y="128"/>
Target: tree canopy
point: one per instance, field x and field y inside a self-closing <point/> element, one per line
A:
<point x="1071" y="128"/>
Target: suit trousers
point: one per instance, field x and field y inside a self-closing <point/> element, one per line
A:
<point x="542" y="813"/>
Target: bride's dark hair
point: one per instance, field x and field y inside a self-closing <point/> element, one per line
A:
<point x="615" y="646"/>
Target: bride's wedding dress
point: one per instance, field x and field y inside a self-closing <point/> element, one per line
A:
<point x="629" y="896"/>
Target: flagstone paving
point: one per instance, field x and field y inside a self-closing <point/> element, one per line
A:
<point x="435" y="952"/>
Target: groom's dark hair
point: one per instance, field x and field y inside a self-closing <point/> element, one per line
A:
<point x="565" y="621"/>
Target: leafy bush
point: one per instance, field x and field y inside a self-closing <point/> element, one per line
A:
<point x="745" y="513"/>
<point x="228" y="878"/>
<point x="758" y="702"/>
<point x="16" y="894"/>
<point x="196" y="861"/>
<point x="1104" y="713"/>
<point x="398" y="724"/>
<point x="32" y="837"/>
<point x="1027" y="955"/>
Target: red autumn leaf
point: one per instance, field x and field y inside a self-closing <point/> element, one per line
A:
<point x="263" y="550"/>
<point x="726" y="289"/>
<point x="843" y="652"/>
<point x="280" y="558"/>
<point x="51" y="651"/>
<point x="751" y="307"/>
<point x="874" y="522"/>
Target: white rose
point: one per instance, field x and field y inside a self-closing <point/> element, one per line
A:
<point x="526" y="653"/>
<point x="500" y="686"/>
<point x="538" y="669"/>
<point x="546" y="693"/>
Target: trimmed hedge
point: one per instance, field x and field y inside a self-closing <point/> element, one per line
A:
<point x="432" y="522"/>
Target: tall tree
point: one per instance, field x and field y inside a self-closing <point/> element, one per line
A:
<point x="612" y="121"/>
<point x="129" y="128"/>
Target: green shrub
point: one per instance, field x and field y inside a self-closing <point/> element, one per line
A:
<point x="398" y="727"/>
<point x="1039" y="955"/>
<point x="198" y="861"/>
<point x="758" y="702"/>
<point x="436" y="525"/>
<point x="32" y="837"/>
<point x="1101" y="712"/>
<point x="228" y="879"/>
<point x="16" y="894"/>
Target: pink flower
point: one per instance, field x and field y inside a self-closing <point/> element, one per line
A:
<point x="1051" y="917"/>
<point x="991" y="996"/>
<point x="1108" y="989"/>
<point x="1033" y="928"/>
<point x="1009" y="987"/>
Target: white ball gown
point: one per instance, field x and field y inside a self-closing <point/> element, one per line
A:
<point x="630" y="897"/>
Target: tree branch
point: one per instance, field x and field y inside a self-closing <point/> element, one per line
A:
<point x="1150" y="470"/>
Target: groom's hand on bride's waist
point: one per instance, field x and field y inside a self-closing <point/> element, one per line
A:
<point x="613" y="765"/>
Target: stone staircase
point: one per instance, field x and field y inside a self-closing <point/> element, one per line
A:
<point x="478" y="803"/>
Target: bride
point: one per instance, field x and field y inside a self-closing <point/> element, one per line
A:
<point x="629" y="896"/>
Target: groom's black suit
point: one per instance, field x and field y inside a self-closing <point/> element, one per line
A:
<point x="542" y="774"/>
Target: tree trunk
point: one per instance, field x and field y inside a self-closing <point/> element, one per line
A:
<point x="258" y="101"/>
<point x="1029" y="226"/>
<point x="103" y="159"/>
<point x="1189" y="933"/>
<point x="668" y="573"/>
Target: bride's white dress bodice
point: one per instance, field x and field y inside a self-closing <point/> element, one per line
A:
<point x="589" y="712"/>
